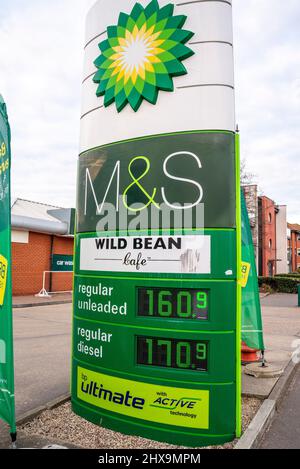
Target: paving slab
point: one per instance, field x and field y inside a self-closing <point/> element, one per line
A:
<point x="281" y="324"/>
<point x="42" y="338"/>
<point x="33" y="442"/>
<point x="257" y="387"/>
<point x="279" y="300"/>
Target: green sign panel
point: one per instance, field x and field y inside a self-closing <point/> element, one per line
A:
<point x="7" y="401"/>
<point x="157" y="311"/>
<point x="169" y="172"/>
<point x="62" y="263"/>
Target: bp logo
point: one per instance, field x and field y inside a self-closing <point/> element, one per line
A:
<point x="141" y="55"/>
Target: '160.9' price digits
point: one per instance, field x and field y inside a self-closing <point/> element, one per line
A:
<point x="173" y="303"/>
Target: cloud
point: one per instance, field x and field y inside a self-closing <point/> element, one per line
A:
<point x="41" y="58"/>
<point x="267" y="71"/>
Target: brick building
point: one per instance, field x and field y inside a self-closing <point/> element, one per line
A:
<point x="251" y="199"/>
<point x="40" y="234"/>
<point x="267" y="236"/>
<point x="294" y="247"/>
<point x="269" y="232"/>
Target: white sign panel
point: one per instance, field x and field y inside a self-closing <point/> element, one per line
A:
<point x="153" y="254"/>
<point x="203" y="98"/>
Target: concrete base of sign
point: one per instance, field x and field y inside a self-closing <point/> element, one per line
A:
<point x="266" y="371"/>
<point x="259" y="388"/>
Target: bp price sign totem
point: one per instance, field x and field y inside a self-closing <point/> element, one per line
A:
<point x="156" y="295"/>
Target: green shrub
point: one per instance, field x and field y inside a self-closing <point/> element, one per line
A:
<point x="294" y="275"/>
<point x="280" y="284"/>
<point x="266" y="288"/>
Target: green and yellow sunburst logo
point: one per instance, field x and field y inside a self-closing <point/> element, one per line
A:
<point x="141" y="55"/>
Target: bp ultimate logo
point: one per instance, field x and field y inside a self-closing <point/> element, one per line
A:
<point x="141" y="55"/>
<point x="154" y="403"/>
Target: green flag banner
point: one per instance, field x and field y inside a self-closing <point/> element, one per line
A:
<point x="252" y="331"/>
<point x="7" y="400"/>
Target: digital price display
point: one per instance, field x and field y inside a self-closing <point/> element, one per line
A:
<point x="172" y="353"/>
<point x="173" y="303"/>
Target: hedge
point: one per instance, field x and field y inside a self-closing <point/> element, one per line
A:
<point x="295" y="275"/>
<point x="280" y="284"/>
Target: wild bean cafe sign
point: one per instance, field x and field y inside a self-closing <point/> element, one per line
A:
<point x="156" y="295"/>
<point x="168" y="254"/>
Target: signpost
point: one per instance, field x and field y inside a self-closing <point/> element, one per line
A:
<point x="157" y="297"/>
<point x="7" y="397"/>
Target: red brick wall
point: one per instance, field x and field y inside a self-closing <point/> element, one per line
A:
<point x="268" y="236"/>
<point x="293" y="248"/>
<point x="294" y="244"/>
<point x="29" y="261"/>
<point x="62" y="281"/>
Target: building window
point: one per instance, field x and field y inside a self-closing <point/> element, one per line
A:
<point x="298" y="252"/>
<point x="270" y="244"/>
<point x="270" y="217"/>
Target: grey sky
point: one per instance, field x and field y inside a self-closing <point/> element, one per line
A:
<point x="40" y="78"/>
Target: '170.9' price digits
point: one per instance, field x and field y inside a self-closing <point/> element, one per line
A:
<point x="172" y="353"/>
